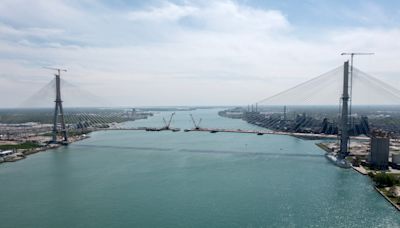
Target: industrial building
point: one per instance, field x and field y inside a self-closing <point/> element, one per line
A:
<point x="379" y="152"/>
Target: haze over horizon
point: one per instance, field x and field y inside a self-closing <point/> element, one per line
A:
<point x="158" y="53"/>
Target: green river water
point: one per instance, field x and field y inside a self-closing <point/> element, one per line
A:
<point x="196" y="179"/>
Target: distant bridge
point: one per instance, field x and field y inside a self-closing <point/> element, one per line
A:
<point x="336" y="84"/>
<point x="221" y="130"/>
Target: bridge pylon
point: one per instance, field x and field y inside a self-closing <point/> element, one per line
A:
<point x="344" y="121"/>
<point x="58" y="111"/>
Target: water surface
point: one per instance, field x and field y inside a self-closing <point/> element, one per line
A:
<point x="196" y="179"/>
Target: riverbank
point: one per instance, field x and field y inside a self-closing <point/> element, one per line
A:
<point x="364" y="171"/>
<point x="23" y="153"/>
<point x="386" y="195"/>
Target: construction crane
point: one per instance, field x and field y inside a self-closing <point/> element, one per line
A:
<point x="196" y="124"/>
<point x="352" y="54"/>
<point x="166" y="127"/>
<point x="57" y="69"/>
<point x="168" y="124"/>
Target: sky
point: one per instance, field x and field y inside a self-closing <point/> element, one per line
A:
<point x="160" y="53"/>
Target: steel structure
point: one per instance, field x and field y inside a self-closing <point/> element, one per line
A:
<point x="196" y="124"/>
<point x="168" y="124"/>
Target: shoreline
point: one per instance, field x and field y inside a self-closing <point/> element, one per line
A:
<point x="25" y="153"/>
<point x="361" y="170"/>
<point x="387" y="198"/>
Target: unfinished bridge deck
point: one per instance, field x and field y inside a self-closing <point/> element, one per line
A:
<point x="221" y="130"/>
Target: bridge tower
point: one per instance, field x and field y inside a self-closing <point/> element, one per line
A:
<point x="58" y="111"/>
<point x="344" y="121"/>
<point x="284" y="113"/>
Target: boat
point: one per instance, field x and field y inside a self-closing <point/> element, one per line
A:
<point x="342" y="163"/>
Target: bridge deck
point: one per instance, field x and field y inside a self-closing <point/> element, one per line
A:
<point x="259" y="132"/>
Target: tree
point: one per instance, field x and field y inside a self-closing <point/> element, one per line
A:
<point x="384" y="180"/>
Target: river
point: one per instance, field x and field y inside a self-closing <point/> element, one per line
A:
<point x="188" y="179"/>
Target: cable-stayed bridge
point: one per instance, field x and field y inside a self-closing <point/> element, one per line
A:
<point x="357" y="96"/>
<point x="315" y="105"/>
<point x="343" y="92"/>
<point x="326" y="89"/>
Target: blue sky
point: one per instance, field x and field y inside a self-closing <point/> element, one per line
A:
<point x="213" y="52"/>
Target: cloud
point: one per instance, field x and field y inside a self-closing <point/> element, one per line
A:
<point x="9" y="32"/>
<point x="368" y="13"/>
<point x="213" y="52"/>
<point x="228" y="16"/>
<point x="216" y="15"/>
<point x="168" y="11"/>
<point x="24" y="13"/>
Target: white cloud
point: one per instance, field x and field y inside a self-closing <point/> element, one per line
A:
<point x="42" y="12"/>
<point x="221" y="52"/>
<point x="32" y="32"/>
<point x="168" y="11"/>
<point x="228" y="16"/>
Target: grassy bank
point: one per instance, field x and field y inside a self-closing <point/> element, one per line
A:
<point x="25" y="145"/>
<point x="385" y="184"/>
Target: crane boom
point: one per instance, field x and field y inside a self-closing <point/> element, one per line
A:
<point x="194" y="122"/>
<point x="170" y="119"/>
<point x="357" y="53"/>
<point x="57" y="69"/>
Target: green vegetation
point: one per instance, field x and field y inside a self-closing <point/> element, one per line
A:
<point x="356" y="161"/>
<point x="384" y="179"/>
<point x="18" y="116"/>
<point x="370" y="174"/>
<point x="86" y="116"/>
<point x="25" y="145"/>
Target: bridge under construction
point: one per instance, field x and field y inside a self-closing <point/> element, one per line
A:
<point x="344" y="85"/>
